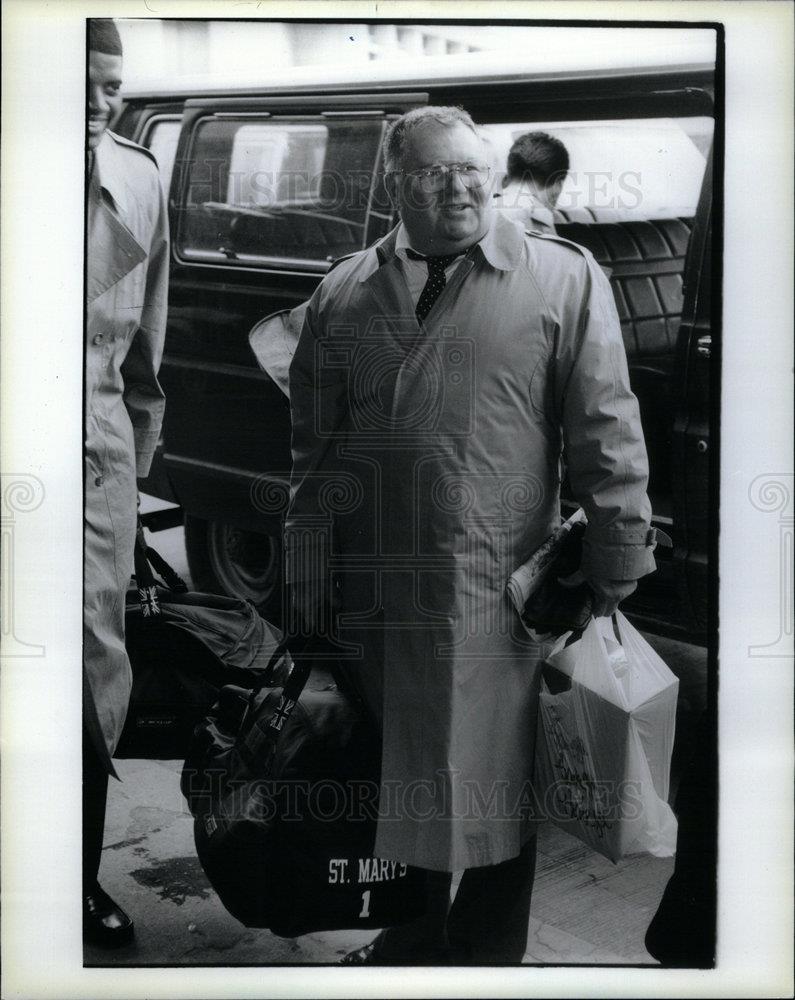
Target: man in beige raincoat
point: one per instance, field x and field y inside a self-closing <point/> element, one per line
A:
<point x="126" y="289"/>
<point x="432" y="401"/>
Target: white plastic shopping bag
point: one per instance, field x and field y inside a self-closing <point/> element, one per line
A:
<point x="605" y="738"/>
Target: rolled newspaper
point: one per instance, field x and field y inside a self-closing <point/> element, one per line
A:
<point x="526" y="580"/>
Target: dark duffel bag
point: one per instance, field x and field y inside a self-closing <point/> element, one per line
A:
<point x="183" y="648"/>
<point x="283" y="783"/>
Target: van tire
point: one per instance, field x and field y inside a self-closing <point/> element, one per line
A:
<point x="226" y="559"/>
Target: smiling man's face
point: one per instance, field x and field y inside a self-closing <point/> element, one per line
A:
<point x="104" y="94"/>
<point x="454" y="217"/>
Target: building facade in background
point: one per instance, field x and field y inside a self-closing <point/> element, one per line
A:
<point x="160" y="48"/>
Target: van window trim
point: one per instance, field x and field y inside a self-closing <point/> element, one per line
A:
<point x="279" y="104"/>
<point x="152" y="121"/>
<point x="271" y="262"/>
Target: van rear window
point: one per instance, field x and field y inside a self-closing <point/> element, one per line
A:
<point x="292" y="189"/>
<point x="628" y="170"/>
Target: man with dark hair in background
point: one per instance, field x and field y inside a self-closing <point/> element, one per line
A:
<point x="536" y="169"/>
<point x="126" y="290"/>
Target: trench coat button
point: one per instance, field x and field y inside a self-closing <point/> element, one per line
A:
<point x="99" y="480"/>
<point x="98" y="339"/>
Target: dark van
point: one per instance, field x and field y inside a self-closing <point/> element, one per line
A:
<point x="267" y="188"/>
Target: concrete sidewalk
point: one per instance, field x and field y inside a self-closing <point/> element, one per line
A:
<point x="585" y="909"/>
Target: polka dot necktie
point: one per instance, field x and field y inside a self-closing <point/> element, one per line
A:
<point x="435" y="283"/>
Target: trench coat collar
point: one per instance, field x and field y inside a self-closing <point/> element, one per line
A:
<point x="113" y="251"/>
<point x="383" y="277"/>
<point x="110" y="171"/>
<point x="501" y="247"/>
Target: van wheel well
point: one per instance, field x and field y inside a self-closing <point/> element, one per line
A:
<point x="226" y="559"/>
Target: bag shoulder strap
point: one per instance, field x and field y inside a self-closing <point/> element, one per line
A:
<point x="266" y="730"/>
<point x="261" y="731"/>
<point x="146" y="559"/>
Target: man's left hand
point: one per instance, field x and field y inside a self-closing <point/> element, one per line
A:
<point x="608" y="594"/>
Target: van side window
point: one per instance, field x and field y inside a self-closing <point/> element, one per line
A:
<point x="161" y="138"/>
<point x="289" y="190"/>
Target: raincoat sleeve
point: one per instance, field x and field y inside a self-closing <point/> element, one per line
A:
<point x="602" y="436"/>
<point x="143" y="396"/>
<point x="316" y="399"/>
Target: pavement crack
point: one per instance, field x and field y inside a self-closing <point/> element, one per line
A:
<point x="123" y="843"/>
<point x="218" y="946"/>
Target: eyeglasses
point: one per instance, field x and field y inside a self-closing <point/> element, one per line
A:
<point x="430" y="179"/>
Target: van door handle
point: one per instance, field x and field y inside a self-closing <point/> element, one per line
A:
<point x="704" y="346"/>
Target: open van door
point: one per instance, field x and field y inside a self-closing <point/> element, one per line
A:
<point x="266" y="192"/>
<point x="696" y="420"/>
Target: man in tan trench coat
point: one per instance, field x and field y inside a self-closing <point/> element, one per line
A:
<point x="439" y="377"/>
<point x="126" y="289"/>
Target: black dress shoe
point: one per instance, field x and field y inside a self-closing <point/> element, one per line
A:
<point x="368" y="955"/>
<point x="105" y="923"/>
<point x="372" y="954"/>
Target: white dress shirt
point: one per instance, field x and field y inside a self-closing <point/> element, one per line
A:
<point x="416" y="271"/>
